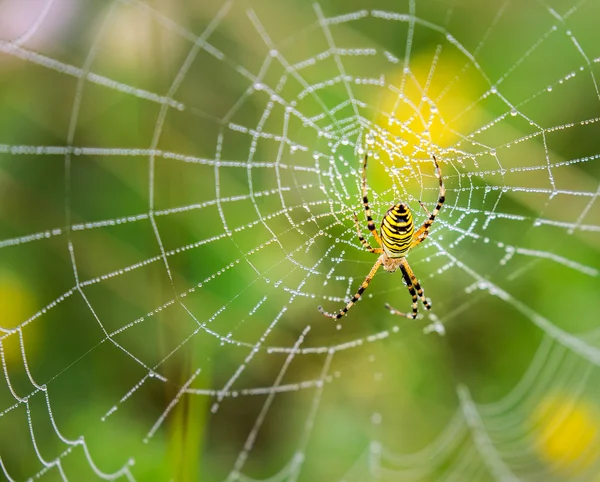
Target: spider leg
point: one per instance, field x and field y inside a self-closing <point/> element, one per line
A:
<point x="363" y="240"/>
<point x="424" y="208"/>
<point x="423" y="231"/>
<point x="370" y="223"/>
<point x="413" y="293"/>
<point x="358" y="294"/>
<point x="415" y="282"/>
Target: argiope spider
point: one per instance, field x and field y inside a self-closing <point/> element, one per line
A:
<point x="398" y="237"/>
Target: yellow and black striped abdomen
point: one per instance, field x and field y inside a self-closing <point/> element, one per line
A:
<point x="397" y="230"/>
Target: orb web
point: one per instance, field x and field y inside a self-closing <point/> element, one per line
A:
<point x="178" y="194"/>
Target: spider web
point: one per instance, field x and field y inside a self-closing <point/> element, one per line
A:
<point x="178" y="185"/>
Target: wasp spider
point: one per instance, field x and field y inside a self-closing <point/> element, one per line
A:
<point x="396" y="238"/>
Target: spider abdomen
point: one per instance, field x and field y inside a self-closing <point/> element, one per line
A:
<point x="397" y="229"/>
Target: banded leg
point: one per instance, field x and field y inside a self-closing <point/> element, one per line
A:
<point x="413" y="293"/>
<point x="363" y="240"/>
<point x="424" y="208"/>
<point x="370" y="223"/>
<point x="423" y="231"/>
<point x="357" y="296"/>
<point x="415" y="282"/>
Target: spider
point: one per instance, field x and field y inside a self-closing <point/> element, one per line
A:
<point x="397" y="238"/>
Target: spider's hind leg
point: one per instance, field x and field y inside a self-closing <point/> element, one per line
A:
<point x="424" y="208"/>
<point x="362" y="239"/>
<point x="423" y="231"/>
<point x="370" y="222"/>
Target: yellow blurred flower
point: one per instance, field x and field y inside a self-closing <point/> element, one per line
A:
<point x="432" y="101"/>
<point x="568" y="435"/>
<point x="17" y="305"/>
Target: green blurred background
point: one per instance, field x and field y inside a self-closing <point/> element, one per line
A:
<point x="177" y="183"/>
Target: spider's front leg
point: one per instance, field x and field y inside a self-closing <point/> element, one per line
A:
<point x="357" y="296"/>
<point x="415" y="282"/>
<point x="413" y="293"/>
<point x="415" y="290"/>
